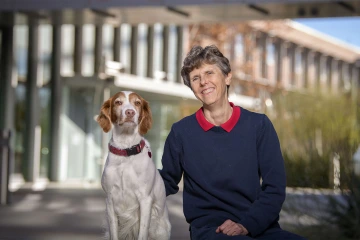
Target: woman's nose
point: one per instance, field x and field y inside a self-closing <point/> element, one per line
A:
<point x="203" y="80"/>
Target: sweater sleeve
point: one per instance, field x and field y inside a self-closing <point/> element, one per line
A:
<point x="265" y="210"/>
<point x="172" y="170"/>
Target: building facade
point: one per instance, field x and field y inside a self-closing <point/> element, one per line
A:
<point x="55" y="76"/>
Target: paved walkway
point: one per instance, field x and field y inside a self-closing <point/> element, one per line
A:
<point x="63" y="212"/>
<point x="68" y="214"/>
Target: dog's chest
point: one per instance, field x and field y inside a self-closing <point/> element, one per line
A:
<point x="126" y="174"/>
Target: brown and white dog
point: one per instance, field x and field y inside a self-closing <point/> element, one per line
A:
<point x="136" y="199"/>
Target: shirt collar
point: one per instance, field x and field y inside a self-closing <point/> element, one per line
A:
<point x="227" y="126"/>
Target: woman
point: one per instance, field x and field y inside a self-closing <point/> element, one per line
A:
<point x="223" y="151"/>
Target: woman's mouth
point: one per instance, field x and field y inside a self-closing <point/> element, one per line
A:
<point x="207" y="91"/>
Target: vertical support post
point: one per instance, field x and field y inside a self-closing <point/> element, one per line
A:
<point x="263" y="45"/>
<point x="278" y="63"/>
<point x="334" y="85"/>
<point x="78" y="50"/>
<point x="328" y="74"/>
<point x="286" y="65"/>
<point x="298" y="65"/>
<point x="32" y="100"/>
<point x="317" y="74"/>
<point x="55" y="103"/>
<point x="150" y="52"/>
<point x="117" y="43"/>
<point x="311" y="70"/>
<point x="165" y="57"/>
<point x="179" y="53"/>
<point x="7" y="89"/>
<point x="134" y="49"/>
<point x="98" y="49"/>
<point x="305" y="67"/>
<point x="292" y="55"/>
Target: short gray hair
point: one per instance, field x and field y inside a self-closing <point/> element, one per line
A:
<point x="199" y="56"/>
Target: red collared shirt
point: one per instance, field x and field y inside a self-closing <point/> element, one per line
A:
<point x="227" y="126"/>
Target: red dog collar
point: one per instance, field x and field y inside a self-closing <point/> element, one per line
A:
<point x="136" y="149"/>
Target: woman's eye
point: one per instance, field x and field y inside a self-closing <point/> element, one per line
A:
<point x="194" y="79"/>
<point x="118" y="103"/>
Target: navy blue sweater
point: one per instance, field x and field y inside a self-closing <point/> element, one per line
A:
<point x="223" y="172"/>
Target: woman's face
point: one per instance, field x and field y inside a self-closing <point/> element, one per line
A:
<point x="209" y="84"/>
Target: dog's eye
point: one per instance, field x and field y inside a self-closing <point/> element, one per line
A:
<point x="137" y="103"/>
<point x="118" y="103"/>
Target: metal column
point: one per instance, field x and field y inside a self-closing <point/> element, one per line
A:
<point x="56" y="93"/>
<point x="150" y="52"/>
<point x="292" y="55"/>
<point x="78" y="50"/>
<point x="98" y="49"/>
<point x="117" y="44"/>
<point x="7" y="106"/>
<point x="7" y="90"/>
<point x="334" y="84"/>
<point x="179" y="53"/>
<point x="32" y="102"/>
<point x="165" y="55"/>
<point x="134" y="49"/>
<point x="317" y="74"/>
<point x="305" y="67"/>
<point x="263" y="45"/>
<point x="278" y="60"/>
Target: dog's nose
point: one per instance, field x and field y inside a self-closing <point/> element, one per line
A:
<point x="130" y="113"/>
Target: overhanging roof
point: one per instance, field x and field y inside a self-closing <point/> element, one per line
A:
<point x="175" y="11"/>
<point x="309" y="38"/>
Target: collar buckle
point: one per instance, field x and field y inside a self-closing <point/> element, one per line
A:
<point x="133" y="150"/>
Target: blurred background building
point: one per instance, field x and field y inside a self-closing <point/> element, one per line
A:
<point x="60" y="60"/>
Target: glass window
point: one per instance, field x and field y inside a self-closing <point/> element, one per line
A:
<point x="158" y="43"/>
<point x="67" y="59"/>
<point x="108" y="41"/>
<point x="125" y="46"/>
<point x="298" y="66"/>
<point x="172" y="53"/>
<point x="239" y="50"/>
<point x="88" y="48"/>
<point x="270" y="60"/>
<point x="45" y="51"/>
<point x="142" y="50"/>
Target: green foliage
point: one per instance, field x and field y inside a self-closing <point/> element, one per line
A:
<point x="312" y="127"/>
<point x="312" y="171"/>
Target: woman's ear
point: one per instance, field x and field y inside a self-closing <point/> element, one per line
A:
<point x="104" y="117"/>
<point x="228" y="79"/>
<point x="145" y="118"/>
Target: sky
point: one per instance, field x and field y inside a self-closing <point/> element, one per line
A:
<point x="346" y="29"/>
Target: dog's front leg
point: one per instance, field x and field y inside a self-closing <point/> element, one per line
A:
<point x="145" y="215"/>
<point x="111" y="218"/>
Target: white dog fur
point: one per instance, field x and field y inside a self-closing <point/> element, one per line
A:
<point x="136" y="199"/>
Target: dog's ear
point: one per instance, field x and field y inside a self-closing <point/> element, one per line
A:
<point x="104" y="117"/>
<point x="145" y="118"/>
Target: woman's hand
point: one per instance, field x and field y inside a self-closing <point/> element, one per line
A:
<point x="231" y="228"/>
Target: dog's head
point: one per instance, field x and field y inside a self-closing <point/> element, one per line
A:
<point x="127" y="110"/>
